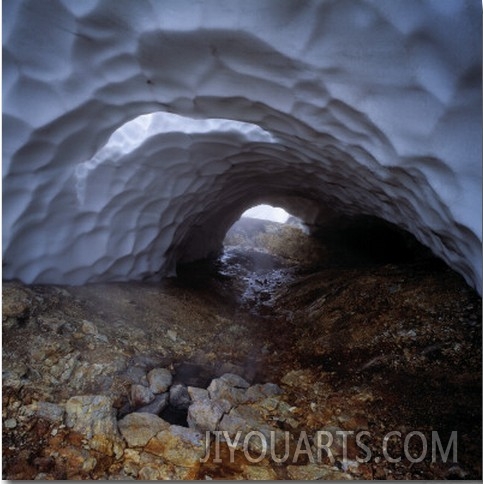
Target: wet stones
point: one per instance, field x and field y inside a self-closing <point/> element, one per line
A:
<point x="228" y="404"/>
<point x="160" y="398"/>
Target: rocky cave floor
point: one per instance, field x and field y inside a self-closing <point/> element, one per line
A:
<point x="347" y="345"/>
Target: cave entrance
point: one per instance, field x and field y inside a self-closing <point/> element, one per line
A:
<point x="339" y="240"/>
<point x="262" y="251"/>
<point x="267" y="212"/>
<point x="252" y="230"/>
<point x="267" y="249"/>
<point x="258" y="253"/>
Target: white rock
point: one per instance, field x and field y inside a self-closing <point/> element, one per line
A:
<point x="10" y="423"/>
<point x="343" y="100"/>
<point x="220" y="390"/>
<point x="91" y="415"/>
<point x="95" y="418"/>
<point x="205" y="415"/>
<point x="198" y="394"/>
<point x="89" y="327"/>
<point x="139" y="428"/>
<point x="141" y="395"/>
<point x="159" y="380"/>
<point x="234" y="380"/>
<point x="46" y="410"/>
<point x="171" y="334"/>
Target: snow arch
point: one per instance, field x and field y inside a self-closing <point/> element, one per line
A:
<point x="367" y="106"/>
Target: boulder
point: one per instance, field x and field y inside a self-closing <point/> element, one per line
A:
<point x="141" y="395"/>
<point x="159" y="403"/>
<point x="204" y="415"/>
<point x="179" y="397"/>
<point x="138" y="428"/>
<point x="95" y="418"/>
<point x="160" y="380"/>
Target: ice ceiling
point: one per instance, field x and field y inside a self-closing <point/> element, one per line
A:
<point x="365" y="107"/>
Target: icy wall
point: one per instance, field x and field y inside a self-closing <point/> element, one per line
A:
<point x="367" y="107"/>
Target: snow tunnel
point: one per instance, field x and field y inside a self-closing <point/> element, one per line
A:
<point x="136" y="132"/>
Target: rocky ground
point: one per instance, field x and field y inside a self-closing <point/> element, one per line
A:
<point x="295" y="338"/>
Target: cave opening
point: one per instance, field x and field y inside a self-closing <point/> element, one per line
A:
<point x="331" y="240"/>
<point x="254" y="226"/>
<point x="268" y="247"/>
<point x="267" y="212"/>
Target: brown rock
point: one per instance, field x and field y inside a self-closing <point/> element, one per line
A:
<point x="73" y="460"/>
<point x="149" y="473"/>
<point x="312" y="472"/>
<point x="15" y="302"/>
<point x="259" y="473"/>
<point x="179" y="446"/>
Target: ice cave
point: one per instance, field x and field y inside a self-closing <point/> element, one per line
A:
<point x="370" y="107"/>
